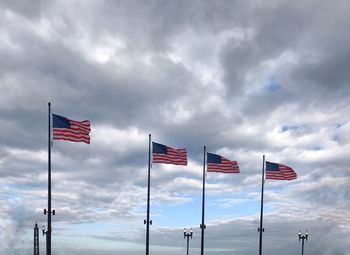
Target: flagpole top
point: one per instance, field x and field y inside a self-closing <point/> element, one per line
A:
<point x="49" y="103"/>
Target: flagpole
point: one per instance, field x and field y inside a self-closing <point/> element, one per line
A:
<point x="148" y="195"/>
<point x="202" y="226"/>
<point x="261" y="229"/>
<point x="48" y="232"/>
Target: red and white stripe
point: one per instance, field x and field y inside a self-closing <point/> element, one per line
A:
<point x="284" y="173"/>
<point x="173" y="156"/>
<point x="226" y="167"/>
<point x="78" y="132"/>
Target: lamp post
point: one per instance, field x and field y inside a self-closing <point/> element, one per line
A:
<point x="188" y="235"/>
<point x="303" y="237"/>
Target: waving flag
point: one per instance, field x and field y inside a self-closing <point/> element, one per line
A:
<point x="275" y="171"/>
<point x="217" y="163"/>
<point x="167" y="155"/>
<point x="70" y="130"/>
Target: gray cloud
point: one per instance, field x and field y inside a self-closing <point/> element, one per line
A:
<point x="244" y="79"/>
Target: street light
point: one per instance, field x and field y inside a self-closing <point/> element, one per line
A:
<point x="44" y="231"/>
<point x="188" y="235"/>
<point x="303" y="237"/>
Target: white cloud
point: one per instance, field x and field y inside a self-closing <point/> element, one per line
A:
<point x="245" y="79"/>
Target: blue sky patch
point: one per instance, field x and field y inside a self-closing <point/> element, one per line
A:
<point x="272" y="87"/>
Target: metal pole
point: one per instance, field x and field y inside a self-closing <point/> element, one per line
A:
<point x="302" y="246"/>
<point x="188" y="243"/>
<point x="48" y="233"/>
<point x="148" y="195"/>
<point x="261" y="229"/>
<point x="202" y="226"/>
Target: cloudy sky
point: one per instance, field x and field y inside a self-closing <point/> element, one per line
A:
<point x="244" y="78"/>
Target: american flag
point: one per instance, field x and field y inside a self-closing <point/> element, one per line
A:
<point x="70" y="130"/>
<point x="167" y="155"/>
<point x="275" y="171"/>
<point x="219" y="164"/>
